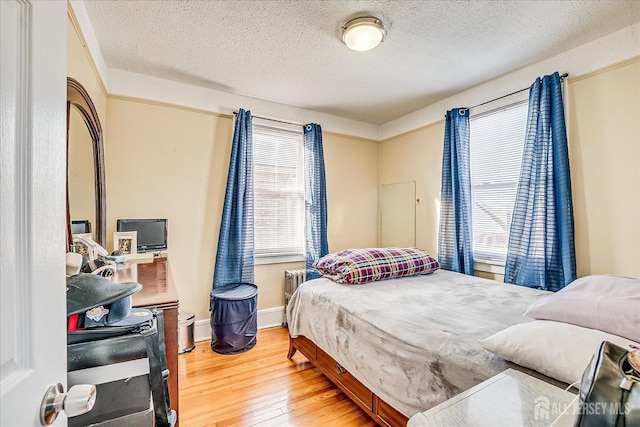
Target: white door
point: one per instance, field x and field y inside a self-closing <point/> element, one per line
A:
<point x="32" y="206"/>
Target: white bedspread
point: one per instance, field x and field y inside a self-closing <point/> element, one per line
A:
<point x="412" y="341"/>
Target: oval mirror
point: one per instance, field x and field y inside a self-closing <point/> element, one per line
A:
<point x="86" y="206"/>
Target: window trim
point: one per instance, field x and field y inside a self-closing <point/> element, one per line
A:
<point x="264" y="259"/>
<point x="488" y="265"/>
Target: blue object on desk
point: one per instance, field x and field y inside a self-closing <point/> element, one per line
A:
<point x="234" y="323"/>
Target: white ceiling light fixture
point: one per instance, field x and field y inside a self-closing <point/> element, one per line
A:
<point x="364" y="33"/>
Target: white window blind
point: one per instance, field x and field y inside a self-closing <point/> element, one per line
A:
<point x="278" y="191"/>
<point x="496" y="144"/>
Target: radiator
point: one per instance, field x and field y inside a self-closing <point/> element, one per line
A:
<point x="292" y="279"/>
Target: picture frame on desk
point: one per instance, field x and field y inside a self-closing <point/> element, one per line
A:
<point x="81" y="245"/>
<point x="125" y="242"/>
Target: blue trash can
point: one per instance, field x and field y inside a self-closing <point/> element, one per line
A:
<point x="234" y="321"/>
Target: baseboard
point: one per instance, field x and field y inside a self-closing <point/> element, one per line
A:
<point x="202" y="330"/>
<point x="266" y="319"/>
<point x="270" y="317"/>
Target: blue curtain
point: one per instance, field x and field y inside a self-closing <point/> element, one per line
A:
<point x="541" y="251"/>
<point x="455" y="249"/>
<point x="234" y="260"/>
<point x="315" y="198"/>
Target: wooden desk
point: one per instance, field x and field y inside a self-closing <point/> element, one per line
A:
<point x="158" y="292"/>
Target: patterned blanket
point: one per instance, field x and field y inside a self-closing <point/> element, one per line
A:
<point x="412" y="341"/>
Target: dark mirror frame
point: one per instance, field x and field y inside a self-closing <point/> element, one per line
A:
<point x="78" y="97"/>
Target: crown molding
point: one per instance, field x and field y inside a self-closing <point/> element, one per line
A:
<point x="125" y="83"/>
<point x="80" y="19"/>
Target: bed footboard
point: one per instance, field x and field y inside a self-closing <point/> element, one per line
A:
<point x="376" y="408"/>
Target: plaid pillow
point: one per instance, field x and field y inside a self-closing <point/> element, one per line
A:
<point x="356" y="266"/>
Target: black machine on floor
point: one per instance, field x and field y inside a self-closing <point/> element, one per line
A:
<point x="121" y="351"/>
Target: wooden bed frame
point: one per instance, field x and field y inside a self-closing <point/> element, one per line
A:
<point x="380" y="411"/>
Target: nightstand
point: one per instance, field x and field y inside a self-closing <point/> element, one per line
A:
<point x="509" y="399"/>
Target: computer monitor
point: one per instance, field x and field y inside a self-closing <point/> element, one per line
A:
<point x="151" y="233"/>
<point x="80" y="227"/>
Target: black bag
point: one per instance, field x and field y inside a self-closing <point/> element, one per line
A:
<point x="610" y="390"/>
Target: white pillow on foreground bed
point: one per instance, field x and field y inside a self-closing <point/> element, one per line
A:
<point x="558" y="350"/>
<point x="604" y="302"/>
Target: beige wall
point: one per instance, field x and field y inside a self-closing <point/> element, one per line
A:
<point x="351" y="166"/>
<point x="417" y="156"/>
<point x="604" y="144"/>
<point x="170" y="162"/>
<point x="603" y="111"/>
<point x="164" y="162"/>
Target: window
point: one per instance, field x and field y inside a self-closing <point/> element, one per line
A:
<point x="278" y="191"/>
<point x="495" y="146"/>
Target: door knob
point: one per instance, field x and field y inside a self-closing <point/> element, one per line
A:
<point x="79" y="400"/>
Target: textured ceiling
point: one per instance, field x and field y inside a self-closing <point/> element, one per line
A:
<point x="290" y="51"/>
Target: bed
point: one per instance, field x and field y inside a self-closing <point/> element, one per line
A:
<point x="400" y="346"/>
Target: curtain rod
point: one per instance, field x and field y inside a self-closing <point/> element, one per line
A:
<point x="562" y="77"/>
<point x="235" y="113"/>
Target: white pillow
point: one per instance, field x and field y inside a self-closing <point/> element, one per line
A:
<point x="558" y="350"/>
<point x="603" y="302"/>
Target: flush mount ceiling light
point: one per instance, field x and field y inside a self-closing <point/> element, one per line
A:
<point x="363" y="33"/>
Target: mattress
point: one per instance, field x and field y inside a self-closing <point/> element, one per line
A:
<point x="412" y="341"/>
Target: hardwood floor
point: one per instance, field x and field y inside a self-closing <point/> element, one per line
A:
<point x="260" y="388"/>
